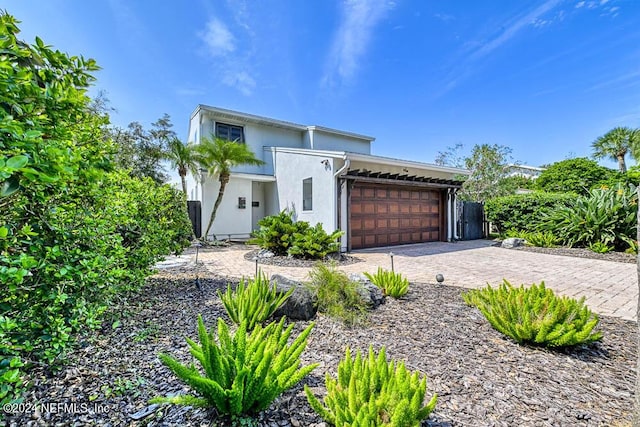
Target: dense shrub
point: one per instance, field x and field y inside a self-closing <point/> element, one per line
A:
<point x="73" y="232"/>
<point x="338" y="296"/>
<point x="276" y="232"/>
<point x="577" y="175"/>
<point x="540" y="239"/>
<point x="315" y="243"/>
<point x="535" y="315"/>
<point x="243" y="373"/>
<point x="391" y="283"/>
<point x="607" y="216"/>
<point x="252" y="301"/>
<point x="282" y="235"/>
<point x="372" y="392"/>
<point x="523" y="211"/>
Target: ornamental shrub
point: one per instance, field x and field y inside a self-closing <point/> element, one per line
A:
<point x="73" y="231"/>
<point x="252" y="301"/>
<point x="241" y="373"/>
<point x="372" y="392"/>
<point x="391" y="283"/>
<point x="276" y="232"/>
<point x="606" y="215"/>
<point x="338" y="296"/>
<point x="535" y="315"/>
<point x="577" y="175"/>
<point x="282" y="235"/>
<point x="523" y="211"/>
<point x="315" y="243"/>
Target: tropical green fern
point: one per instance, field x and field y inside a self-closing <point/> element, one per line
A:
<point x="243" y="373"/>
<point x="372" y="392"/>
<point x="391" y="283"/>
<point x="252" y="301"/>
<point x="535" y="315"/>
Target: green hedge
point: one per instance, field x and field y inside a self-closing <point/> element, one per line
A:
<point x="523" y="211"/>
<point x="73" y="232"/>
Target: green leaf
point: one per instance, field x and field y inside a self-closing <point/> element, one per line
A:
<point x="17" y="162"/>
<point x="9" y="186"/>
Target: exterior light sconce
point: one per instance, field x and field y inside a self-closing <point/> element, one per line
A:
<point x="242" y="202"/>
<point x="327" y="165"/>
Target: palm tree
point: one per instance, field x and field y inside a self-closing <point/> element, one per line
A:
<point x="184" y="158"/>
<point x="616" y="143"/>
<point x="218" y="156"/>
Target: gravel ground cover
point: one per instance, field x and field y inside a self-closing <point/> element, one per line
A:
<point x="481" y="377"/>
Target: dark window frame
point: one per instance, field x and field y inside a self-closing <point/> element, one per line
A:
<point x="307" y="199"/>
<point x="230" y="132"/>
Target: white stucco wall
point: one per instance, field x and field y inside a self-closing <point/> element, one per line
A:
<point x="230" y="220"/>
<point x="330" y="142"/>
<point x="290" y="170"/>
<point x="193" y="189"/>
<point x="256" y="137"/>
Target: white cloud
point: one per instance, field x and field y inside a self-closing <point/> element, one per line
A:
<point x="350" y="44"/>
<point x="444" y="17"/>
<point x="231" y="52"/>
<point x="580" y="4"/>
<point x="218" y="38"/>
<point x="240" y="80"/>
<point x="511" y="30"/>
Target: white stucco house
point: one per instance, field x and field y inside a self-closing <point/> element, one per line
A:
<point x="324" y="175"/>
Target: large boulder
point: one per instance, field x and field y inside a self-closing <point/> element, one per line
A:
<point x="512" y="242"/>
<point x="301" y="305"/>
<point x="370" y="293"/>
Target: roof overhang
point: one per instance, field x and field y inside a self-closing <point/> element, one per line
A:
<point x="400" y="179"/>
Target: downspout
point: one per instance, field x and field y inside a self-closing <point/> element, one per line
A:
<point x="449" y="216"/>
<point x="343" y="213"/>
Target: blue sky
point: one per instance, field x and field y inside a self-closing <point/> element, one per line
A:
<point x="542" y="77"/>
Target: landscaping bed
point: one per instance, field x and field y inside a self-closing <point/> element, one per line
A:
<point x="481" y="377"/>
<point x="582" y="253"/>
<point x="287" y="261"/>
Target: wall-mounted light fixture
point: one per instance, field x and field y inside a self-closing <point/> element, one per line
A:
<point x="242" y="202"/>
<point x="327" y="165"/>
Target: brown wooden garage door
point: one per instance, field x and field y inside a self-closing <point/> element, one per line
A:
<point x="382" y="215"/>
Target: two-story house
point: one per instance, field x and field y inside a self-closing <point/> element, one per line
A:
<point x="324" y="175"/>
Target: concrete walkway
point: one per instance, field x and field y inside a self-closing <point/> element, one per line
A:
<point x="610" y="288"/>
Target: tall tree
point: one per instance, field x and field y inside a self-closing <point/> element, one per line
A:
<point x="615" y="145"/>
<point x="182" y="157"/>
<point x="452" y="156"/>
<point x="218" y="156"/>
<point x="142" y="151"/>
<point x="488" y="166"/>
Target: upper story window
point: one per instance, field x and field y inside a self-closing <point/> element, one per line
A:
<point x="307" y="194"/>
<point x="230" y="132"/>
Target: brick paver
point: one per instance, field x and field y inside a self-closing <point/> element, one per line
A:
<point x="610" y="288"/>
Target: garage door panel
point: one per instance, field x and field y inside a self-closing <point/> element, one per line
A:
<point x="382" y="215"/>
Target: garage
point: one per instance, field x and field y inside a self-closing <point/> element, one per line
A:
<point x="390" y="214"/>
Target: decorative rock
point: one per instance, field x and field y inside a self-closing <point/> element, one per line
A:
<point x="512" y="242"/>
<point x="371" y="294"/>
<point x="301" y="305"/>
<point x="265" y="253"/>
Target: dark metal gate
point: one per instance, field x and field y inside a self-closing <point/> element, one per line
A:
<point x="471" y="220"/>
<point x="195" y="215"/>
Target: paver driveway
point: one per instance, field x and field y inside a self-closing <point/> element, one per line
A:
<point x="611" y="288"/>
